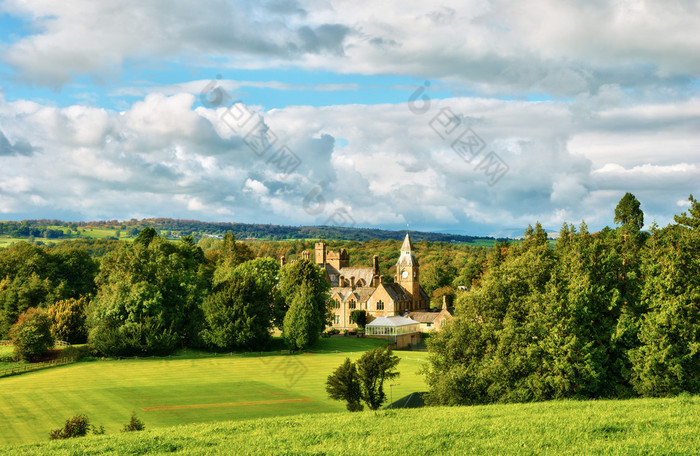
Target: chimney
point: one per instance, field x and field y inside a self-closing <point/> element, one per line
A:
<point x="444" y="302"/>
<point x="341" y="281"/>
<point x="375" y="264"/>
<point x="305" y="254"/>
<point x="381" y="279"/>
<point x="352" y="282"/>
<point x="283" y="261"/>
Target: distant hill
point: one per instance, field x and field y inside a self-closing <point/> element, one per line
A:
<point x="57" y="229"/>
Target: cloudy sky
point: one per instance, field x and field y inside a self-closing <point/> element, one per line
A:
<point x="470" y="116"/>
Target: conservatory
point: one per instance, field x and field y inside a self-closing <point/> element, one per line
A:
<point x="403" y="331"/>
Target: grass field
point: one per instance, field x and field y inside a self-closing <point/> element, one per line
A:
<point x="631" y="427"/>
<point x="185" y="389"/>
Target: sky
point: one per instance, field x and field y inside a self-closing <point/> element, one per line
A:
<point x="471" y="117"/>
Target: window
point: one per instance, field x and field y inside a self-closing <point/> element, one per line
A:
<point x="380" y="305"/>
<point x="336" y="319"/>
<point x="428" y="324"/>
<point x="336" y="304"/>
<point x="352" y="304"/>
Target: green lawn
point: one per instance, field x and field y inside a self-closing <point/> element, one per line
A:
<point x="630" y="427"/>
<point x="184" y="389"/>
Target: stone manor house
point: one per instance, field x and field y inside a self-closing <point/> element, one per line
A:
<point x="365" y="288"/>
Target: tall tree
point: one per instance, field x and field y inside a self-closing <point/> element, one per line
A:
<point x="301" y="326"/>
<point x="68" y="320"/>
<point x="265" y="272"/>
<point x="238" y="315"/>
<point x="149" y="297"/>
<point x="305" y="289"/>
<point x="375" y="367"/>
<point x="668" y="359"/>
<point x="230" y="255"/>
<point x="629" y="215"/>
<point x="344" y="385"/>
<point x="692" y="221"/>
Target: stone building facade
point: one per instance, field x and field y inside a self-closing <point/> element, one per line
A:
<point x="366" y="289"/>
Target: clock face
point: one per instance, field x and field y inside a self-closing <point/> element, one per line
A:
<point x="404" y="274"/>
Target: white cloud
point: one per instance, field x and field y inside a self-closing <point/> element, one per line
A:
<point x="498" y="46"/>
<point x="617" y="80"/>
<point x="161" y="157"/>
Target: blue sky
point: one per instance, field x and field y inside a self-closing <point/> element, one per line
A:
<point x="101" y="113"/>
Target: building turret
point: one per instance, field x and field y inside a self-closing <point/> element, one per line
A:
<point x="407" y="273"/>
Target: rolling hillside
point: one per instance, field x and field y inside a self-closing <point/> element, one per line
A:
<point x="638" y="426"/>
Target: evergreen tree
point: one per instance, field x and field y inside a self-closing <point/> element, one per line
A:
<point x="238" y="315"/>
<point x="305" y="289"/>
<point x="344" y="385"/>
<point x="691" y="221"/>
<point x="301" y="327"/>
<point x="668" y="359"/>
<point x="375" y="367"/>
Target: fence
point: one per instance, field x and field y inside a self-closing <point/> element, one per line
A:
<point x="35" y="366"/>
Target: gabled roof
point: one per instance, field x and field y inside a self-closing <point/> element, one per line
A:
<point x="365" y="274"/>
<point x="394" y="321"/>
<point x="360" y="294"/>
<point x="426" y="317"/>
<point x="395" y="291"/>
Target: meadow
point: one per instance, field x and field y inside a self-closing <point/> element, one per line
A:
<point x="622" y="427"/>
<point x="193" y="387"/>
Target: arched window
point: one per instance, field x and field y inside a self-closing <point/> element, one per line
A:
<point x="380" y="305"/>
<point x="352" y="304"/>
<point x="336" y="304"/>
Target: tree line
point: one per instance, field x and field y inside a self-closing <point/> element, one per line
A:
<point x="152" y="296"/>
<point x="609" y="314"/>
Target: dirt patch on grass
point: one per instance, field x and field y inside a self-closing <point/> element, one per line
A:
<point x="223" y="404"/>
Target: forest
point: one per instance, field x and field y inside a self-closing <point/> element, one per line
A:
<point x="609" y="314"/>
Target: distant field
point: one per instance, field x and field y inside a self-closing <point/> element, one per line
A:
<point x="166" y="392"/>
<point x="89" y="233"/>
<point x="631" y="427"/>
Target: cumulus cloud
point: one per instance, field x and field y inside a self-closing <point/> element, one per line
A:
<point x="498" y="46"/>
<point x="572" y="105"/>
<point x="20" y="147"/>
<point x="164" y="157"/>
<point x="96" y="38"/>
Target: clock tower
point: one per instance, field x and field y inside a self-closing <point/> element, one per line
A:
<point x="407" y="273"/>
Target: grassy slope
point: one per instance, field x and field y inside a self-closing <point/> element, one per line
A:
<point x="638" y="426"/>
<point x="109" y="391"/>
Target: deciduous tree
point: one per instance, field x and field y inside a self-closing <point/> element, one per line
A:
<point x="31" y="335"/>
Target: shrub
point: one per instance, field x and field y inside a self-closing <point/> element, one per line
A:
<point x="31" y="335"/>
<point x="134" y="424"/>
<point x="77" y="426"/>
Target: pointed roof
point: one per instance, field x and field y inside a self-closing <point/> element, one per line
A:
<point x="406" y="246"/>
<point x="407" y="258"/>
